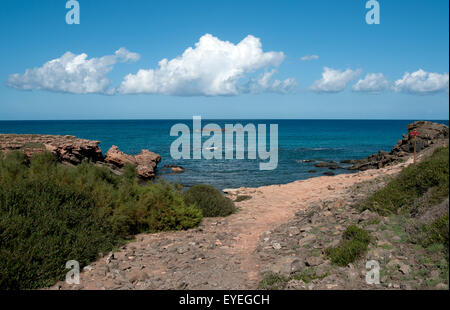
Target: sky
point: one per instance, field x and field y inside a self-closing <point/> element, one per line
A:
<point x="234" y="59"/>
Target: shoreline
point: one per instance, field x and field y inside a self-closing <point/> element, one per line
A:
<point x="72" y="150"/>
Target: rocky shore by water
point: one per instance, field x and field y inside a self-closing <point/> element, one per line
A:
<point x="72" y="150"/>
<point x="429" y="134"/>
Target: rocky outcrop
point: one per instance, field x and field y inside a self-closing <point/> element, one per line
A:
<point x="429" y="134"/>
<point x="175" y="168"/>
<point x="73" y="150"/>
<point x="68" y="149"/>
<point x="145" y="162"/>
<point x="330" y="165"/>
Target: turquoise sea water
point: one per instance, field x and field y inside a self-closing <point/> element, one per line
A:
<point x="299" y="140"/>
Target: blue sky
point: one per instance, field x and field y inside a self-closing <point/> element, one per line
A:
<point x="218" y="79"/>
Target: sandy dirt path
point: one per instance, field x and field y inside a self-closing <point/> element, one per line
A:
<point x="219" y="254"/>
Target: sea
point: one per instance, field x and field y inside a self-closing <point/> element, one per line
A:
<point x="299" y="142"/>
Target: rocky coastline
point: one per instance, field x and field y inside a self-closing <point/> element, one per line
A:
<point x="429" y="134"/>
<point x="72" y="151"/>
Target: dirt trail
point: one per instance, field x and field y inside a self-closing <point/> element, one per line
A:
<point x="219" y="254"/>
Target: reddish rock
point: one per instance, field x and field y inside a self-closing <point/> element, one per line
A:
<point x="72" y="150"/>
<point x="177" y="169"/>
<point x="145" y="162"/>
<point x="67" y="149"/>
<point x="118" y="158"/>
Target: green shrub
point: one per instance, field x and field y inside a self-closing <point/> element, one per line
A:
<point x="158" y="208"/>
<point x="438" y="232"/>
<point x="431" y="175"/>
<point x="209" y="200"/>
<point x="353" y="232"/>
<point x="272" y="281"/>
<point x="129" y="172"/>
<point x="43" y="225"/>
<point x="354" y="244"/>
<point x="51" y="213"/>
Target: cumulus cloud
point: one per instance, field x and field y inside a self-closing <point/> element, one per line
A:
<point x="72" y="73"/>
<point x="124" y="55"/>
<point x="372" y="83"/>
<point x="309" y="57"/>
<point x="213" y="67"/>
<point x="334" y="81"/>
<point x="264" y="83"/>
<point x="422" y="83"/>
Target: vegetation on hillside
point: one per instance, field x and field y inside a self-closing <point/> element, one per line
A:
<point x="51" y="213"/>
<point x="355" y="242"/>
<point x="418" y="188"/>
<point x="438" y="233"/>
<point x="430" y="177"/>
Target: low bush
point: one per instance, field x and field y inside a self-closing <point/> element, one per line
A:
<point x="51" y="213"/>
<point x="209" y="200"/>
<point x="438" y="233"/>
<point x="272" y="281"/>
<point x="354" y="244"/>
<point x="430" y="176"/>
<point x="42" y="226"/>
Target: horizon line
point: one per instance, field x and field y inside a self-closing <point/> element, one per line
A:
<point x="169" y="119"/>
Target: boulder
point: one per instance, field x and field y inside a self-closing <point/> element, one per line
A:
<point x="286" y="266"/>
<point x="118" y="158"/>
<point x="175" y="168"/>
<point x="323" y="165"/>
<point x="145" y="162"/>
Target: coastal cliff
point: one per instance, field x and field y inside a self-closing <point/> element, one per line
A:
<point x="72" y="150"/>
<point x="429" y="134"/>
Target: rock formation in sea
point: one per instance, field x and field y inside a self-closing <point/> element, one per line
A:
<point x="430" y="133"/>
<point x="73" y="150"/>
<point x="145" y="162"/>
<point x="175" y="168"/>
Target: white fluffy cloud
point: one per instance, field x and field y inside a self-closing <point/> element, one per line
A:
<point x="422" y="82"/>
<point x="309" y="57"/>
<point x="213" y="67"/>
<point x="264" y="83"/>
<point x="372" y="83"/>
<point x="72" y="73"/>
<point x="334" y="81"/>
